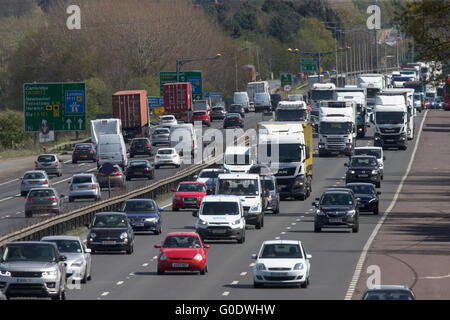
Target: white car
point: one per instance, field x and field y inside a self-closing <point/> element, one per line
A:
<point x="167" y="157"/>
<point x="281" y="262"/>
<point x="168" y="120"/>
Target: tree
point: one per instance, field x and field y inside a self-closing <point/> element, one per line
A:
<point x="11" y="129"/>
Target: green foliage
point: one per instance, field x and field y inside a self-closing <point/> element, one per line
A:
<point x="150" y="83"/>
<point x="98" y="98"/>
<point x="12" y="129"/>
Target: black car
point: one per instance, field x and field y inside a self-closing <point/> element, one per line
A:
<point x="237" y="108"/>
<point x="274" y="99"/>
<point x="363" y="169"/>
<point x="139" y="169"/>
<point x="110" y="231"/>
<point x="233" y="120"/>
<point x="140" y="146"/>
<point x="84" y="152"/>
<point x="336" y="208"/>
<point x="144" y="214"/>
<point x="367" y="195"/>
<point x="218" y="113"/>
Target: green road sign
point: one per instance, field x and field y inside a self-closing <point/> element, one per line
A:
<point x="286" y="78"/>
<point x="194" y="77"/>
<point x="54" y="107"/>
<point x="308" y="64"/>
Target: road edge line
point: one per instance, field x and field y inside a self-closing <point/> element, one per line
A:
<point x="362" y="257"/>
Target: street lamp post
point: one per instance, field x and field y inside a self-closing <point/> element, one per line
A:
<point x="236" y="65"/>
<point x="180" y="62"/>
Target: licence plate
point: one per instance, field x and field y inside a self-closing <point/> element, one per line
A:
<point x="141" y="150"/>
<point x="105" y="158"/>
<point x="24" y="280"/>
<point x="109" y="242"/>
<point x="180" y="265"/>
<point x="363" y="175"/>
<point x="335" y="220"/>
<point x="138" y="173"/>
<point x="219" y="231"/>
<point x="83" y="156"/>
<point x="167" y="161"/>
<point x="40" y="207"/>
<point x="138" y="224"/>
<point x="33" y="182"/>
<point x="45" y="164"/>
<point x="389" y="140"/>
<point x="278" y="274"/>
<point x="82" y="187"/>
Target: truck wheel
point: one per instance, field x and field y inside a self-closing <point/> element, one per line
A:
<point x="70" y="199"/>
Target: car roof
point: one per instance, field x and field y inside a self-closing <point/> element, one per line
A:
<point x="110" y="213"/>
<point x="363" y="156"/>
<point x="368" y="148"/>
<point x="60" y="238"/>
<point x="33" y="171"/>
<point x="166" y="149"/>
<point x="43" y="188"/>
<point x="138" y="200"/>
<point x="30" y="242"/>
<point x="360" y="184"/>
<point x="338" y="190"/>
<point x="182" y="234"/>
<point x="389" y="287"/>
<point x="47" y="154"/>
<point x="82" y="174"/>
<point x="282" y="242"/>
<point x="191" y="182"/>
<point x="221" y="198"/>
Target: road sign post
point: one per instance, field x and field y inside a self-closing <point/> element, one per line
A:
<point x="54" y="106"/>
<point x="286" y="79"/>
<point x="308" y="64"/>
<point x="107" y="169"/>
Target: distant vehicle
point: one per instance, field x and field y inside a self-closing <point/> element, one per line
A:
<point x="389" y="292"/>
<point x="202" y="105"/>
<point x="295" y="97"/>
<point x="32" y="179"/>
<point x="140" y="146"/>
<point x="233" y="120"/>
<point x="110" y="231"/>
<point x="112" y="149"/>
<point x="130" y="106"/>
<point x="178" y="100"/>
<point x="183" y="137"/>
<point x="209" y="178"/>
<point x="160" y="136"/>
<point x="256" y="87"/>
<point x="84" y="152"/>
<point x="336" y="208"/>
<point x="218" y="112"/>
<point x="168" y="120"/>
<point x="139" y="169"/>
<point x="275" y="98"/>
<point x="237" y="159"/>
<point x="188" y="195"/>
<point x="262" y="102"/>
<point x="182" y="251"/>
<point x="242" y="99"/>
<point x="144" y="214"/>
<point x="292" y="111"/>
<point x="115" y="179"/>
<point x="202" y="116"/>
<point x="41" y="262"/>
<point x="237" y="108"/>
<point x="167" y="157"/>
<point x="43" y="200"/>
<point x="104" y="126"/>
<point x="363" y="169"/>
<point x="50" y="163"/>
<point x="84" y="185"/>
<point x="368" y="195"/>
<point x="270" y="184"/>
<point x="282" y="262"/>
<point x="78" y="263"/>
<point x="221" y="217"/>
<point x="377" y="152"/>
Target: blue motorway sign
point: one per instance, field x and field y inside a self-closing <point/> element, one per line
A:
<point x="213" y="95"/>
<point x="74" y="101"/>
<point x="155" y="102"/>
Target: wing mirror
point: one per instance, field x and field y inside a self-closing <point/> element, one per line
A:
<point x="384" y="157"/>
<point x="87" y="250"/>
<point x="378" y="193"/>
<point x="207" y="246"/>
<point x="308" y="256"/>
<point x="173" y="190"/>
<point x="345" y="164"/>
<point x="314" y="204"/>
<point x="62" y="258"/>
<point x="157" y="246"/>
<point x="195" y="177"/>
<point x="195" y="213"/>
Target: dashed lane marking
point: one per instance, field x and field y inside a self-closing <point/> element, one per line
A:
<point x="119" y="283"/>
<point x="105" y="293"/>
<point x="234" y="282"/>
<point x="226" y="293"/>
<point x="243" y="274"/>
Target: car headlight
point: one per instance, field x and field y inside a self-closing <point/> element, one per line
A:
<point x="374" y="171"/>
<point x="92" y="235"/>
<point x="255" y="208"/>
<point x="177" y="198"/>
<point x="198" y="257"/>
<point x="236" y="222"/>
<point x="372" y="200"/>
<point x="52" y="273"/>
<point x="202" y="222"/>
<point x="150" y="220"/>
<point x="162" y="257"/>
<point x="77" y="263"/>
<point x="260" y="266"/>
<point x="124" y="235"/>
<point x="352" y="171"/>
<point x="351" y="212"/>
<point x="319" y="212"/>
<point x="5" y="273"/>
<point x="298" y="266"/>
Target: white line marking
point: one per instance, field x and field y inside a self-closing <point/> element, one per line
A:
<point x="251" y="264"/>
<point x="436" y="277"/>
<point x="283" y="232"/>
<point x="119" y="283"/>
<point x="362" y="258"/>
<point x="82" y="164"/>
<point x="277" y="238"/>
<point x="131" y="274"/>
<point x="8" y="198"/>
<point x="293" y="223"/>
<point x="243" y="274"/>
<point x="7" y="216"/>
<point x="145" y="265"/>
<point x="302" y="216"/>
<point x="17" y="195"/>
<point x="67" y="161"/>
<point x="310" y="209"/>
<point x="105" y="293"/>
<point x="234" y="282"/>
<point x="63" y="180"/>
<point x="1" y="184"/>
<point x="155" y="257"/>
<point x="18" y="212"/>
<point x="288" y="228"/>
<point x="226" y="293"/>
<point x="299" y="219"/>
<point x="93" y="169"/>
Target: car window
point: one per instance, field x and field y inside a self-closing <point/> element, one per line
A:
<point x="336" y="199"/>
<point x="41" y="193"/>
<point x="49" y="158"/>
<point x="34" y="175"/>
<point x="210" y="174"/>
<point x="363" y="162"/>
<point x="165" y="151"/>
<point x="139" y="142"/>
<point x="110" y="148"/>
<point x="191" y="188"/>
<point x="67" y="246"/>
<point x="83" y="147"/>
<point x="109" y="221"/>
<point x="161" y="131"/>
<point x="131" y="206"/>
<point x="211" y="208"/>
<point x="268" y="184"/>
<point x="138" y="163"/>
<point x="388" y="295"/>
<point x="281" y="251"/>
<point x="199" y="113"/>
<point x="82" y="179"/>
<point x="29" y="252"/>
<point x="182" y="242"/>
<point x="362" y="189"/>
<point x="368" y="152"/>
<point x="238" y="186"/>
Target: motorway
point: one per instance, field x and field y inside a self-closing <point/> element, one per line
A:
<point x="335" y="252"/>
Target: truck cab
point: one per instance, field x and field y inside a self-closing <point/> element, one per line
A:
<point x="373" y="82"/>
<point x="237" y="159"/>
<point x="292" y="111"/>
<point x="362" y="117"/>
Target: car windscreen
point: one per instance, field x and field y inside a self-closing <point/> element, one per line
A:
<point x="82" y="179"/>
<point x="83" y="147"/>
<point x="165" y="151"/>
<point x="281" y="251"/>
<point x="194" y="187"/>
<point x="291" y="115"/>
<point x="199" y="113"/>
<point x="167" y="118"/>
<point x="138" y="163"/>
<point x="34" y="175"/>
<point x="67" y="246"/>
<point x="221" y="208"/>
<point x="336" y="199"/>
<point x="248" y="187"/>
<point x="287" y="152"/>
<point x="389" y="117"/>
<point x="210" y="174"/>
<point x="188" y="242"/>
<point x="362" y="189"/>
<point x="109" y="148"/>
<point x="335" y="127"/>
<point x="388" y="295"/>
<point x="233" y="115"/>
<point x="363" y="162"/>
<point x="268" y="184"/>
<point x="322" y="94"/>
<point x="140" y="142"/>
<point x="217" y="109"/>
<point x="135" y="206"/>
<point x="109" y="221"/>
<point x="41" y="193"/>
<point x="371" y="92"/>
<point x="162" y="131"/>
<point x="237" y="159"/>
<point x="46" y="158"/>
<point x="29" y="252"/>
<point x="368" y="152"/>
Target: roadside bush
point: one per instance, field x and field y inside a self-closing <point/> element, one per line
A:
<point x="12" y="134"/>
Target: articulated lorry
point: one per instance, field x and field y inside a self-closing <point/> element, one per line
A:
<point x="373" y="82"/>
<point x="104" y="126"/>
<point x="256" y="87"/>
<point x="391" y="122"/>
<point x="287" y="148"/>
<point x="337" y="128"/>
<point x="358" y="95"/>
<point x="319" y="92"/>
<point x="178" y="100"/>
<point x="292" y="111"/>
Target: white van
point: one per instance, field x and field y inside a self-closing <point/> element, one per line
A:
<point x="262" y="102"/>
<point x="111" y="148"/>
<point x="182" y="136"/>
<point x="221" y="217"/>
<point x="241" y="98"/>
<point x="237" y="159"/>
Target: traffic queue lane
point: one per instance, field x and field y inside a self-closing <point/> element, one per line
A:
<point x="12" y="216"/>
<point x="335" y="252"/>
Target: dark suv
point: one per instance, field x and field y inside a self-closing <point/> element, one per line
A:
<point x="83" y="152"/>
<point x="336" y="208"/>
<point x="368" y="195"/>
<point x="140" y="146"/>
<point x="237" y="108"/>
<point x="363" y="169"/>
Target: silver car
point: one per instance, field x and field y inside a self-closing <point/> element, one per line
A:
<point x="79" y="262"/>
<point x="161" y="136"/>
<point x="84" y="185"/>
<point x="43" y="200"/>
<point x="273" y="201"/>
<point x="32" y="179"/>
<point x="32" y="269"/>
<point x="116" y="178"/>
<point x="49" y="163"/>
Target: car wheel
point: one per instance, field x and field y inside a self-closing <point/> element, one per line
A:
<point x="257" y="285"/>
<point x="85" y="277"/>
<point x="23" y="194"/>
<point x="355" y="229"/>
<point x="258" y="225"/>
<point x="156" y="167"/>
<point x="127" y="179"/>
<point x="74" y="161"/>
<point x="175" y="209"/>
<point x="276" y="211"/>
<point x="242" y="238"/>
<point x="304" y="284"/>
<point x="28" y="214"/>
<point x="59" y="296"/>
<point x="375" y="212"/>
<point x="90" y="274"/>
<point x="131" y="155"/>
<point x="317" y="228"/>
<point x="130" y="250"/>
<point x="203" y="272"/>
<point x="70" y="199"/>
<point x="378" y="184"/>
<point x="160" y="272"/>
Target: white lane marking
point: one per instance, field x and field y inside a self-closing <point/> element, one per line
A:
<point x="277" y="238"/>
<point x="155" y="257"/>
<point x="234" y="282"/>
<point x="251" y="264"/>
<point x="299" y="219"/>
<point x="8" y="198"/>
<point x="338" y="182"/>
<point x="131" y="274"/>
<point x="362" y="258"/>
<point x="17" y="195"/>
<point x="243" y="274"/>
<point x="436" y="277"/>
<point x="310" y="209"/>
<point x="63" y="180"/>
<point x="105" y="293"/>
<point x="18" y="212"/>
<point x="302" y="217"/>
<point x="283" y="232"/>
<point x="288" y="228"/>
<point x="293" y="223"/>
<point x="119" y="283"/>
<point x="1" y="184"/>
<point x="93" y="169"/>
<point x="82" y="164"/>
<point x="7" y="216"/>
<point x="145" y="264"/>
<point x="226" y="293"/>
<point x="67" y="161"/>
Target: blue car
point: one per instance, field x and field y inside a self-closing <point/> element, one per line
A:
<point x="144" y="214"/>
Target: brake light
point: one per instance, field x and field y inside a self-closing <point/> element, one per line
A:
<point x="94" y="187"/>
<point x="118" y="174"/>
<point x="29" y="199"/>
<point x="71" y="188"/>
<point x="23" y="182"/>
<point x="56" y="163"/>
<point x="239" y="119"/>
<point x="146" y="169"/>
<point x="91" y="151"/>
<point x="75" y="151"/>
<point x="52" y="198"/>
<point x="45" y="181"/>
<point x="174" y="156"/>
<point x="99" y="175"/>
<point x="122" y="157"/>
<point x="147" y="145"/>
<point x="97" y="157"/>
<point x="156" y="156"/>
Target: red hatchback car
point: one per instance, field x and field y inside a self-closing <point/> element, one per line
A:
<point x="202" y="116"/>
<point x="182" y="251"/>
<point x="188" y="195"/>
